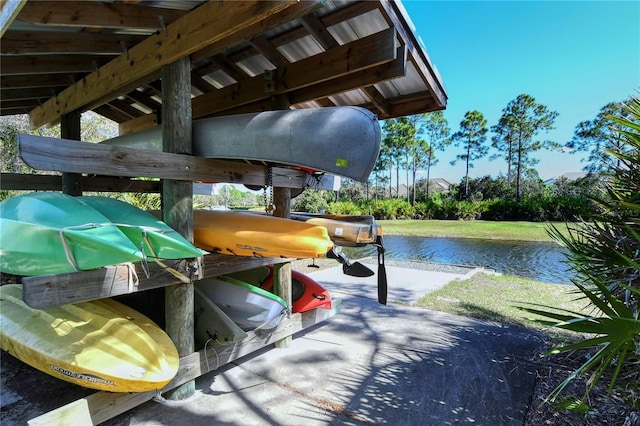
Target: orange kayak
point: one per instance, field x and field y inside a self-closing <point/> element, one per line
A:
<point x="246" y="234"/>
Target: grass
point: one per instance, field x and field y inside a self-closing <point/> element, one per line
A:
<point x="496" y="297"/>
<point x="523" y="231"/>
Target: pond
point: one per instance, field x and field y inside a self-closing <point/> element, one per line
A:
<point x="538" y="260"/>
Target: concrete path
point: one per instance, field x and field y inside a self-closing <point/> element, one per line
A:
<point x="371" y="364"/>
<point x="404" y="285"/>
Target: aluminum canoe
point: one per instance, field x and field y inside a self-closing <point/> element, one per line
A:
<point x="344" y="141"/>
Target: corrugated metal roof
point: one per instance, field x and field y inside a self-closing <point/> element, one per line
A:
<point x="330" y="54"/>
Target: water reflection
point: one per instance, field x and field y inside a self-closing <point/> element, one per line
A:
<point x="538" y="260"/>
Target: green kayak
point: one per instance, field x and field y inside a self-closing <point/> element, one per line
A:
<point x="52" y="233"/>
<point x="144" y="230"/>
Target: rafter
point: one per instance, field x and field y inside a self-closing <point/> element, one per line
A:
<point x="185" y="36"/>
<point x="18" y="65"/>
<point x="57" y="42"/>
<point x="347" y="59"/>
<point x="97" y="14"/>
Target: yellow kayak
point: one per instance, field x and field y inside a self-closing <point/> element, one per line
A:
<point x="247" y="234"/>
<point x="102" y="344"/>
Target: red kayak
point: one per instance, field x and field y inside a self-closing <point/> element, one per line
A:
<point x="307" y="293"/>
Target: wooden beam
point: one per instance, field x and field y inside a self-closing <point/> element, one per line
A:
<point x="146" y="121"/>
<point x="19" y="65"/>
<point x="47" y="291"/>
<point x="102" y="406"/>
<point x="319" y="92"/>
<point x="431" y="77"/>
<point x="268" y="50"/>
<point x="24" y="182"/>
<point x="50" y="42"/>
<point x="8" y="12"/>
<point x="186" y="35"/>
<point x="378" y="100"/>
<point x="82" y="157"/>
<point x="86" y="14"/>
<point x="43" y="93"/>
<point x="267" y="23"/>
<point x="26" y="82"/>
<point x="177" y="207"/>
<point x="319" y="32"/>
<point x="70" y="129"/>
<point x="350" y="58"/>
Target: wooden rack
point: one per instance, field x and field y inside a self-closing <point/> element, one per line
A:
<point x="77" y="158"/>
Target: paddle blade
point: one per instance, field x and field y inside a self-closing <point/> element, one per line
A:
<point x="382" y="273"/>
<point x="382" y="284"/>
<point x="356" y="269"/>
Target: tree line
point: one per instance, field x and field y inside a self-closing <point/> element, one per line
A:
<point x="411" y="144"/>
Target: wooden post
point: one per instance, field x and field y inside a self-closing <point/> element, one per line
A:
<point x="177" y="206"/>
<point x="282" y="201"/>
<point x="70" y="129"/>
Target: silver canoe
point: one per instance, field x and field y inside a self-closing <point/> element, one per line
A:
<point x="344" y="141"/>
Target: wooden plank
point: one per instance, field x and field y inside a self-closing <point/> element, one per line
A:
<point x="144" y="122"/>
<point x="186" y="35"/>
<point x="65" y="155"/>
<point x="48" y="42"/>
<point x="347" y="59"/>
<point x="97" y="15"/>
<point x="45" y="65"/>
<point x="8" y="12"/>
<point x="282" y="281"/>
<point x="45" y="291"/>
<point x="23" y="182"/>
<point x="102" y="406"/>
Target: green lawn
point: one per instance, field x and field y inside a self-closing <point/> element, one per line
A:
<point x="485" y="296"/>
<point x="525" y="231"/>
<point x="496" y="298"/>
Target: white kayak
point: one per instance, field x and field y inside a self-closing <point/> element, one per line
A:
<point x="248" y="306"/>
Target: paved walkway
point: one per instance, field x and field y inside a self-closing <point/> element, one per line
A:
<point x="371" y="364"/>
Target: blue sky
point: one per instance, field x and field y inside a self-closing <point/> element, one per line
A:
<point x="572" y="56"/>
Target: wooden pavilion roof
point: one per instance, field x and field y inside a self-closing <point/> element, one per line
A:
<point x="107" y="56"/>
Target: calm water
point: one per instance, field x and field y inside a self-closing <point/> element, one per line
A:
<point x="542" y="261"/>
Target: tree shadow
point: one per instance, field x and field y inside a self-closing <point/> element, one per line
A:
<point x="371" y="364"/>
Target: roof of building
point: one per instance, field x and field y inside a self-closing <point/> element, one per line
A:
<point x="107" y="56"/>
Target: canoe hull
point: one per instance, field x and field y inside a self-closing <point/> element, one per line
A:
<point x="52" y="233"/>
<point x="212" y="325"/>
<point x="143" y="229"/>
<point x="245" y="234"/>
<point x="344" y="141"/>
<point x="248" y="306"/>
<point x="344" y="230"/>
<point x="101" y="345"/>
<point x="306" y="293"/>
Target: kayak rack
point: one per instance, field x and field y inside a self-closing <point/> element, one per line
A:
<point x="102" y="406"/>
<point x="116" y="165"/>
<point x="46" y="291"/>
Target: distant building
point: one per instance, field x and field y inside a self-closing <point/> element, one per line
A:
<point x="435" y="185"/>
<point x="570" y="176"/>
<point x="440" y="185"/>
